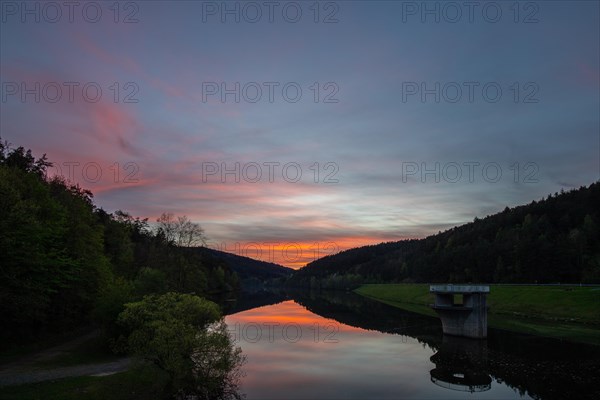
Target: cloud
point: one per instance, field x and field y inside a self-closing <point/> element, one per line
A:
<point x="151" y="153"/>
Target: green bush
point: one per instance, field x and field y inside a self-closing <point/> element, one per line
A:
<point x="184" y="335"/>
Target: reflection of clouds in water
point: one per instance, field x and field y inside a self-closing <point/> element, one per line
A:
<point x="362" y="364"/>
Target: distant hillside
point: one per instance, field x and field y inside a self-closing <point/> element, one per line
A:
<point x="248" y="268"/>
<point x="556" y="239"/>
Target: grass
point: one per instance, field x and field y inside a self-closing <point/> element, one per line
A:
<point x="91" y="351"/>
<point x="142" y="382"/>
<point x="570" y="313"/>
<point x="16" y="352"/>
<point x="414" y="298"/>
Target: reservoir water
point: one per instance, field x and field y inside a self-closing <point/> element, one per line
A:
<point x="340" y="345"/>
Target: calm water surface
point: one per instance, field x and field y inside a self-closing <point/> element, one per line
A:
<point x="343" y="346"/>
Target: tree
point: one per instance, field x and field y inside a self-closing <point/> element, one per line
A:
<point x="217" y="365"/>
<point x="23" y="160"/>
<point x="150" y="281"/>
<point x="181" y="232"/>
<point x="109" y="304"/>
<point x="33" y="263"/>
<point x="184" y="336"/>
<point x="51" y="249"/>
<point x="64" y="261"/>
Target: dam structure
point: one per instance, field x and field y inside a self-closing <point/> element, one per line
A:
<point x="462" y="309"/>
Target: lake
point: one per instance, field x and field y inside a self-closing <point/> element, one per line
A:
<point x="338" y="345"/>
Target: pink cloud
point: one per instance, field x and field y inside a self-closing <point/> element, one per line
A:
<point x="127" y="63"/>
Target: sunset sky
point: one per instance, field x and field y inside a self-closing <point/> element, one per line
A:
<point x="386" y="92"/>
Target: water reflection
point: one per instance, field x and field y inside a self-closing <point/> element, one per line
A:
<point x="461" y="364"/>
<point x="295" y="356"/>
<point x="336" y="345"/>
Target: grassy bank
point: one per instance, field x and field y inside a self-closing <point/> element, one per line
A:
<point x="570" y="313"/>
<point x="145" y="382"/>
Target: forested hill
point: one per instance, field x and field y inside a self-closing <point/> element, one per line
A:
<point x="248" y="268"/>
<point x="66" y="263"/>
<point x="556" y="239"/>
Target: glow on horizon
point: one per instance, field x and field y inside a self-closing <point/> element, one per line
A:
<point x="147" y="156"/>
<point x="293" y="254"/>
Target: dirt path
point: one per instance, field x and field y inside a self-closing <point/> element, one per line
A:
<point x="11" y="377"/>
<point x="27" y="370"/>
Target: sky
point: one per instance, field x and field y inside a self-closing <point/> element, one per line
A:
<point x="293" y="130"/>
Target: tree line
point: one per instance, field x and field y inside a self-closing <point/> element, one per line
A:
<point x="66" y="263"/>
<point x="554" y="240"/>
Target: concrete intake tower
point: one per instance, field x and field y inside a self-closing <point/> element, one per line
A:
<point x="462" y="309"/>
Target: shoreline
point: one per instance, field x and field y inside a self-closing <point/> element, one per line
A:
<point x="574" y="320"/>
